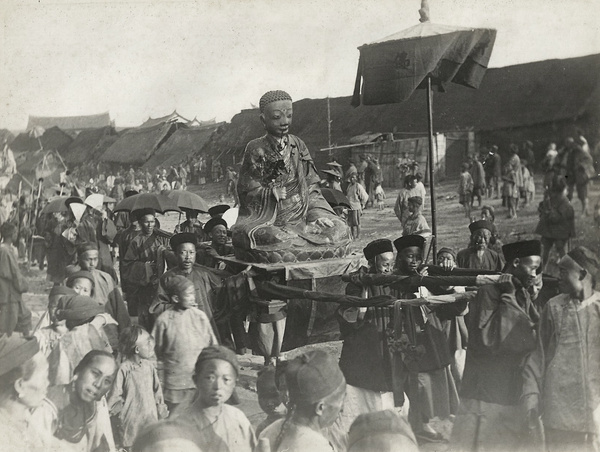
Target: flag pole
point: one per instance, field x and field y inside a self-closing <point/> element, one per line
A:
<point x="431" y="164"/>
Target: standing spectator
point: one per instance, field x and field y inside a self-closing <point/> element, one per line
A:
<point x="416" y="224"/>
<point x="465" y="189"/>
<point x="580" y="169"/>
<point x="117" y="191"/>
<point x="358" y="197"/>
<point x="136" y="398"/>
<point x="510" y="191"/>
<point x="561" y="375"/>
<point x="528" y="156"/>
<point x="478" y="175"/>
<point x="420" y="188"/>
<point x="14" y="316"/>
<point x="409" y="190"/>
<point x="493" y="172"/>
<point x="181" y="333"/>
<point x="515" y="163"/>
<point x="379" y="196"/>
<point x="361" y="168"/>
<point x="557" y="220"/>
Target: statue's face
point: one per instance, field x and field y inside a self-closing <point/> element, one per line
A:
<point x="277" y="117"/>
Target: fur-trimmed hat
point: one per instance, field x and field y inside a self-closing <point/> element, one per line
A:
<point x="377" y="247"/>
<point x="408" y="241"/>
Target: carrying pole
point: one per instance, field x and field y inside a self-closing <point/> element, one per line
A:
<point x="431" y="164"/>
<point x="35" y="214"/>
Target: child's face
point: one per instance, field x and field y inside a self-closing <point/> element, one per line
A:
<point x="145" y="345"/>
<point x="82" y="286"/>
<point x="89" y="260"/>
<point x="216" y="382"/>
<point x="570" y="277"/>
<point x="187" y="298"/>
<point x="412" y="207"/>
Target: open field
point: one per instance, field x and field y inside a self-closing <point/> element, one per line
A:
<point x="452" y="232"/>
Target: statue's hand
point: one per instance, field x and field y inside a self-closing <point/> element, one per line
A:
<point x="280" y="193"/>
<point x="324" y="223"/>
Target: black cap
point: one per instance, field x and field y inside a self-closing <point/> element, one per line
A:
<point x="409" y="240"/>
<point x="218" y="210"/>
<point x="480" y="224"/>
<point x="525" y="248"/>
<point x="210" y="224"/>
<point x="183" y="237"/>
<point x="377" y="247"/>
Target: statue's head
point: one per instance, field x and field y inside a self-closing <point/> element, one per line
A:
<point x="276" y="112"/>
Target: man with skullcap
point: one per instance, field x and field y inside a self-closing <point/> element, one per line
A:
<point x="207" y="281"/>
<point x="381" y="431"/>
<point x="282" y="214"/>
<point x="478" y="255"/>
<point x="143" y="264"/>
<point x="501" y="326"/>
<point x="365" y="358"/>
<point x="562" y="375"/>
<point x="216" y="231"/>
<point x="425" y="374"/>
<point x="316" y="387"/>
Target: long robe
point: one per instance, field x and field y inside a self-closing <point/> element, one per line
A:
<point x="14" y="315"/>
<point x="134" y="398"/>
<point x="278" y="224"/>
<point x="501" y="335"/>
<point x="564" y="370"/>
<point x="490" y="260"/>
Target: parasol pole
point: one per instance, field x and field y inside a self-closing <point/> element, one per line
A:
<point x="430" y="157"/>
<point x="35" y="214"/>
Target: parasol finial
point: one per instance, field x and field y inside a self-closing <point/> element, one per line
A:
<point x="424" y="11"/>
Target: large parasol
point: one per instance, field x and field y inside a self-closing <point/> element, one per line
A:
<point x="188" y="200"/>
<point x="160" y="203"/>
<point x="389" y="70"/>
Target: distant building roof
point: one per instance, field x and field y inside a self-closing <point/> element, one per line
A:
<point x="89" y="145"/>
<point x="69" y="123"/>
<point x="173" y="117"/>
<point x="197" y="123"/>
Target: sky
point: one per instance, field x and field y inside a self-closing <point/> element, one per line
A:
<point x="211" y="59"/>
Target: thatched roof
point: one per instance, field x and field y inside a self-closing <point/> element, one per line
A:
<point x="509" y="97"/>
<point x="70" y="122"/>
<point x="137" y="145"/>
<point x="89" y="145"/>
<point x="181" y="145"/>
<point x="56" y="139"/>
<point x="24" y="142"/>
<point x="7" y="135"/>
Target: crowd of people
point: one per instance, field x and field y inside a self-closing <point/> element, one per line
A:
<point x="138" y="348"/>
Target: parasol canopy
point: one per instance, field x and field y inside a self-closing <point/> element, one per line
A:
<point x="187" y="200"/>
<point x="160" y="203"/>
<point x="335" y="198"/>
<point x="393" y="67"/>
<point x="56" y="205"/>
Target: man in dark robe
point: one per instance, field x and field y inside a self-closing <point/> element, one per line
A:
<point x="216" y="230"/>
<point x="143" y="264"/>
<point x="207" y="281"/>
<point x="501" y="325"/>
<point x="478" y="255"/>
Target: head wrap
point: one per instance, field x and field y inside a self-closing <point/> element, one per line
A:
<point x="312" y="376"/>
<point x="80" y="274"/>
<point x="183" y="237"/>
<point x="416" y="200"/>
<point x="175" y="285"/>
<point x="86" y="246"/>
<point x="139" y="213"/>
<point x="525" y="248"/>
<point x="272" y="96"/>
<point x="447" y="250"/>
<point x="218" y="210"/>
<point x="155" y="434"/>
<point x="408" y="241"/>
<point x="218" y="352"/>
<point x="587" y="260"/>
<point x="368" y="428"/>
<point x="210" y="224"/>
<point x="15" y="351"/>
<point x="77" y="310"/>
<point x="377" y="247"/>
<point x="480" y="224"/>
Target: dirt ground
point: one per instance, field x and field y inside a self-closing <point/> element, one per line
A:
<point x="452" y="230"/>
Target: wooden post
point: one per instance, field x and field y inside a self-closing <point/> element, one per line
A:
<point x="431" y="164"/>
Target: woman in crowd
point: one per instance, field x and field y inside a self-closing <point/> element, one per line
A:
<point x="23" y="386"/>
